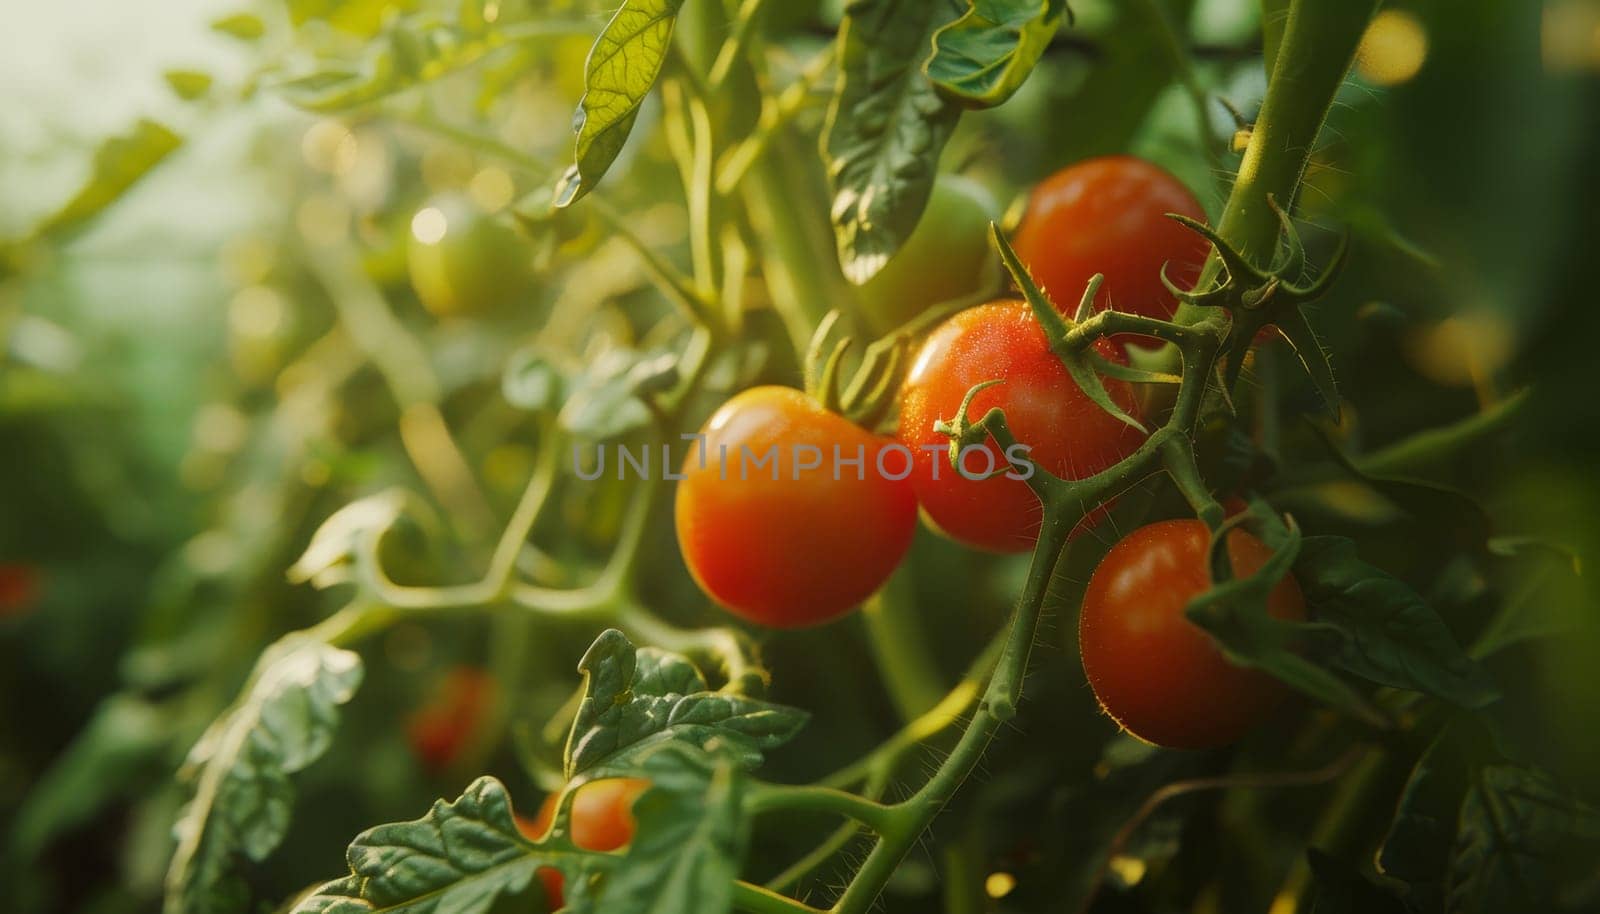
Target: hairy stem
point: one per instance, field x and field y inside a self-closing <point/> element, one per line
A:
<point x="1317" y="44"/>
<point x="997" y="706"/>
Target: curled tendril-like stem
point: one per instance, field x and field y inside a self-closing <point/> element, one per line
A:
<point x="1244" y="286"/>
<point x="827" y="392"/>
<point x="816" y="348"/>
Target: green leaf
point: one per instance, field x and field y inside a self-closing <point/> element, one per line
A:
<point x="243" y="26"/>
<point x="885" y="129"/>
<point x="603" y="401"/>
<point x="691" y="839"/>
<point x="469" y="857"/>
<point x="1235" y="613"/>
<point x="1541" y="599"/>
<point x="532" y="381"/>
<point x="188" y="85"/>
<point x="409" y="52"/>
<point x="635" y="699"/>
<point x="622" y="67"/>
<point x="119" y="163"/>
<point x="1516" y="830"/>
<point x="1438" y="505"/>
<point x="344" y="534"/>
<point x="240" y="770"/>
<point x="461" y="858"/>
<point x="981" y="59"/>
<point x="1386" y="633"/>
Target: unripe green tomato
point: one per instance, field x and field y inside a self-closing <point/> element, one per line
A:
<point x="464" y="262"/>
<point x="948" y="256"/>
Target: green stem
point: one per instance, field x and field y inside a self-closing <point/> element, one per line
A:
<point x="835" y="842"/>
<point x="799" y="262"/>
<point x="351" y="624"/>
<point x="758" y="900"/>
<point x="1427" y="448"/>
<point x="997" y="706"/>
<point x="1318" y="42"/>
<point x="775" y="116"/>
<point x="766" y="798"/>
<point x="733" y="49"/>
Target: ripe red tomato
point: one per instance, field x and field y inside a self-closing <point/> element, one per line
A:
<point x="601" y="820"/>
<point x="441" y="729"/>
<point x="1108" y="216"/>
<point x="803" y="536"/>
<point x="1156" y="673"/>
<point x="1068" y="434"/>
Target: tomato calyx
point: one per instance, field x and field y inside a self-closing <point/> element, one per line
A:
<point x="1258" y="298"/>
<point x="1067" y="502"/>
<point x="869" y="394"/>
<point x="1071" y="340"/>
<point x="964" y="433"/>
<point x="1233" y="611"/>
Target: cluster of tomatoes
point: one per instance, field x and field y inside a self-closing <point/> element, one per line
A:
<point x="786" y="541"/>
<point x="794" y="542"/>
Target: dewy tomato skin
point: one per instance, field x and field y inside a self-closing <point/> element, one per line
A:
<point x="790" y="552"/>
<point x="1156" y="673"/>
<point x="1108" y="215"/>
<point x="1045" y="409"/>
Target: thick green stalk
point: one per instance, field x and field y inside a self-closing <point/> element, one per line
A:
<point x="1317" y="44"/>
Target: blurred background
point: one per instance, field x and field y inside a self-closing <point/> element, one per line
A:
<point x="225" y="314"/>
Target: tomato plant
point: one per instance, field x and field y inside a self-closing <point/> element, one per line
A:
<point x="424" y="408"/>
<point x="1157" y="674"/>
<point x="788" y="514"/>
<point x="980" y="502"/>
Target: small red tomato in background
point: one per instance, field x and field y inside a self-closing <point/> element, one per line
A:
<point x="789" y="543"/>
<point x="1108" y="216"/>
<point x="442" y="729"/>
<point x="19" y="588"/>
<point x="1156" y="673"/>
<point x="1045" y="409"/>
<point x="601" y="820"/>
